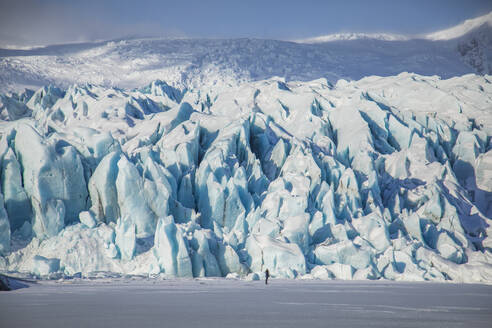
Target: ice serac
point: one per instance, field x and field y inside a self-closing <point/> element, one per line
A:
<point x="484" y="171"/>
<point x="87" y="218"/>
<point x="93" y="144"/>
<point x="171" y="249"/>
<point x="321" y="272"/>
<point x="228" y="260"/>
<point x="341" y="271"/>
<point x="280" y="258"/>
<point x="49" y="217"/>
<point x="373" y="229"/>
<point x="483" y="192"/>
<point x="43" y="266"/>
<point x="102" y="189"/>
<point x="4" y="230"/>
<point x="79" y="250"/>
<point x="125" y="240"/>
<point x="131" y="200"/>
<point x="118" y="189"/>
<point x="159" y="187"/>
<point x="222" y="186"/>
<point x="204" y="262"/>
<point x="53" y="178"/>
<point x="16" y="200"/>
<point x="343" y="253"/>
<point x="45" y="97"/>
<point x="13" y="107"/>
<point x="162" y="89"/>
<point x="465" y="151"/>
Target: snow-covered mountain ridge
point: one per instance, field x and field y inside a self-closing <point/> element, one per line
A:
<point x="454" y="32"/>
<point x="462" y="29"/>
<point x="355" y="36"/>
<point x="381" y="178"/>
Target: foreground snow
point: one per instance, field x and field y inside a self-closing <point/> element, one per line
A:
<point x="232" y="303"/>
<point x="382" y="178"/>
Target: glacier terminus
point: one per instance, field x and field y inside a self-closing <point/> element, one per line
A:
<point x="385" y="177"/>
<point x="369" y="158"/>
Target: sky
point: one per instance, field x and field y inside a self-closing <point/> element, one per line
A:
<point x="41" y="22"/>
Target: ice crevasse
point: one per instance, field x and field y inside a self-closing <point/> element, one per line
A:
<point x="381" y="178"/>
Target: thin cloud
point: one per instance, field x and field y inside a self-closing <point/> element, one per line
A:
<point x="41" y="22"/>
<point x="34" y="23"/>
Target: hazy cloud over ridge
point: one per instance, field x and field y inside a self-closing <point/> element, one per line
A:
<point x="37" y="22"/>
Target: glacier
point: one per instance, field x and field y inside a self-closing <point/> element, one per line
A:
<point x="378" y="178"/>
<point x="186" y="63"/>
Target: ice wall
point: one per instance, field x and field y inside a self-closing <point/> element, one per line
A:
<point x="382" y="178"/>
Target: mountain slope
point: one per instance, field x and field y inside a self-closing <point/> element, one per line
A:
<point x="474" y="42"/>
<point x="188" y="63"/>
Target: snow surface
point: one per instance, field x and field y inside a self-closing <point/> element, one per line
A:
<point x="191" y="63"/>
<point x="134" y="302"/>
<point x="381" y="178"/>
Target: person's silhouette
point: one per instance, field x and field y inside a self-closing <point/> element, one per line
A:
<point x="267" y="275"/>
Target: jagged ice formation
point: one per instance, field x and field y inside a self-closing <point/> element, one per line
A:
<point x="381" y="178"/>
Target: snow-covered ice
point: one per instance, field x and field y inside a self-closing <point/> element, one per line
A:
<point x="232" y="303"/>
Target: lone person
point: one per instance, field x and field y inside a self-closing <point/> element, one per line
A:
<point x="267" y="275"/>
